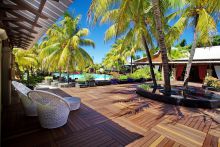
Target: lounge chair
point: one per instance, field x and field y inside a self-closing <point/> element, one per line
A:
<point x="30" y="108"/>
<point x="52" y="109"/>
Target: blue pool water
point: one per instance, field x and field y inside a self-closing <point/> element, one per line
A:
<point x="81" y="76"/>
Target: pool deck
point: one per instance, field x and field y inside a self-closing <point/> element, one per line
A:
<point x="115" y="116"/>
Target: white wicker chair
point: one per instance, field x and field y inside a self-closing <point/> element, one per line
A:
<point x="30" y="108"/>
<point x="52" y="110"/>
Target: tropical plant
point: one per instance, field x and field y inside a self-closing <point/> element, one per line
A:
<point x="145" y="86"/>
<point x="119" y="53"/>
<point x="128" y="19"/>
<point x="32" y="80"/>
<point x="123" y="77"/>
<point x="201" y="14"/>
<point x="158" y="76"/>
<point x="162" y="45"/>
<point x="115" y="57"/>
<point x="88" y="77"/>
<point x="25" y="60"/>
<point x="178" y="52"/>
<point x="62" y="50"/>
<point x="216" y="40"/>
<point x="141" y="73"/>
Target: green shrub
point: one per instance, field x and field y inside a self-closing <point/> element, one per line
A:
<point x="33" y="80"/>
<point x="141" y="73"/>
<point x="123" y="77"/>
<point x="145" y="86"/>
<point x="211" y="81"/>
<point x="81" y="81"/>
<point x="134" y="76"/>
<point x="158" y="75"/>
<point x="115" y="75"/>
<point x="48" y="78"/>
<point x="88" y="77"/>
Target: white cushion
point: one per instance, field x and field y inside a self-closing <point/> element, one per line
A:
<point x="74" y="102"/>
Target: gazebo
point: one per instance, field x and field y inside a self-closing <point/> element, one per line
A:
<point x="22" y="23"/>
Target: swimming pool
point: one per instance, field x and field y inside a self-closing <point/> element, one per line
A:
<point x="81" y="76"/>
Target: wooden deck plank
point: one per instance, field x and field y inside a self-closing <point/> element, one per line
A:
<point x="180" y="133"/>
<point x="102" y="120"/>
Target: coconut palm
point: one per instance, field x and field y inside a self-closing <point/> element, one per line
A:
<point x="178" y="52"/>
<point x="202" y="16"/>
<point x="120" y="53"/>
<point x="115" y="56"/>
<point x="162" y="45"/>
<point x="130" y="51"/>
<point x="132" y="19"/>
<point x="62" y="50"/>
<point x="25" y="60"/>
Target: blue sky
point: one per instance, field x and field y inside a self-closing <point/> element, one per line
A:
<point x="97" y="32"/>
<point x="80" y="7"/>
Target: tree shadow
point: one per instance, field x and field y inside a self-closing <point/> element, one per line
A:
<point x="85" y="127"/>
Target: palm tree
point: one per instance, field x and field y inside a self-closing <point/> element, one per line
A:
<point x="120" y="53"/>
<point x="162" y="45"/>
<point x="201" y="15"/>
<point x="130" y="51"/>
<point x="132" y="19"/>
<point x="115" y="56"/>
<point x="25" y="60"/>
<point x="63" y="48"/>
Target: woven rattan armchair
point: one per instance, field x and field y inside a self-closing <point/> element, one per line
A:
<point x="30" y="108"/>
<point x="52" y="110"/>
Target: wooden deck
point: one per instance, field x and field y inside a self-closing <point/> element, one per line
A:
<point x="115" y="116"/>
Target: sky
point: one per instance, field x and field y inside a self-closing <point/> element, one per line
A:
<point x="97" y="32"/>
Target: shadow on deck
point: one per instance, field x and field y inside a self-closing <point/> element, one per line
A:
<point x="85" y="127"/>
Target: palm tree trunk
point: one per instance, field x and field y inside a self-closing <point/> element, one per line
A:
<point x="161" y="41"/>
<point x="131" y="65"/>
<point x="192" y="52"/>
<point x="150" y="63"/>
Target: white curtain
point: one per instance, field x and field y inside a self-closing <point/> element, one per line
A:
<point x="217" y="71"/>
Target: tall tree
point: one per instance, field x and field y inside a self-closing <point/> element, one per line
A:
<point x="63" y="47"/>
<point x="162" y="45"/>
<point x="202" y="15"/>
<point x="115" y="56"/>
<point x="130" y="19"/>
<point x="25" y="60"/>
